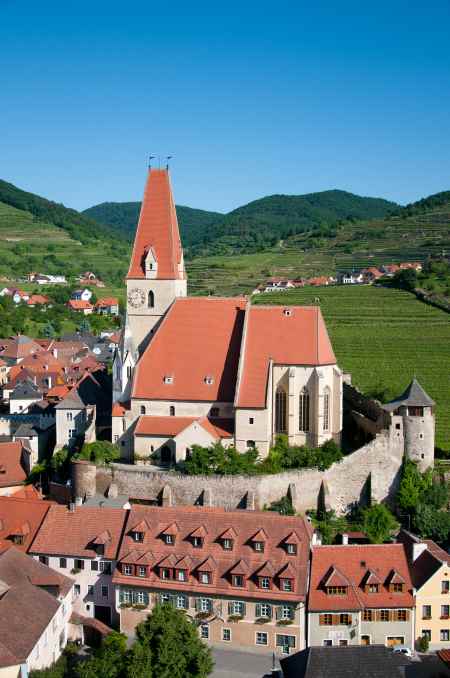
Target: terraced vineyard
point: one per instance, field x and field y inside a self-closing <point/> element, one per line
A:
<point x="384" y="337"/>
<point x="369" y="243"/>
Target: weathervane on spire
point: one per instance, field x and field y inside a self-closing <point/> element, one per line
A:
<point x="150" y="158"/>
<point x="168" y="157"/>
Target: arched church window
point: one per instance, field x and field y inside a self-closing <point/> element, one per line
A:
<point x="280" y="411"/>
<point x="303" y="423"/>
<point x="326" y="409"/>
<point x="151" y="299"/>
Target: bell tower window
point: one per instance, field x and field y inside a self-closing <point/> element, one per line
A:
<point x="303" y="423"/>
<point x="326" y="410"/>
<point x="280" y="411"/>
<point x="151" y="299"/>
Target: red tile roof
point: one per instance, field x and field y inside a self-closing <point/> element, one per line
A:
<point x="200" y="337"/>
<point x="107" y="301"/>
<point x="72" y="533"/>
<point x="294" y="335"/>
<point x="172" y="426"/>
<point x="157" y="229"/>
<point x="15" y="512"/>
<point x="444" y="655"/>
<point x="119" y="409"/>
<point x="79" y="304"/>
<point x="353" y="564"/>
<point x="12" y="471"/>
<point x="211" y="523"/>
<point x="37" y="299"/>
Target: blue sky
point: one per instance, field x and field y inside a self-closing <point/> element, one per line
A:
<point x="251" y="98"/>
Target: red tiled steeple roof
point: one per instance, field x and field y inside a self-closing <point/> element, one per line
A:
<point x="157" y="230"/>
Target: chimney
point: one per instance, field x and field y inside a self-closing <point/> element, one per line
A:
<point x="344" y="539"/>
<point x="316" y="539"/>
<point x="71" y="507"/>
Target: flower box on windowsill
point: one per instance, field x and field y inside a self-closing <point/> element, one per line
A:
<point x="445" y="616"/>
<point x="427" y="617"/>
<point x="124" y="605"/>
<point x="262" y="620"/>
<point x="75" y="570"/>
<point x="235" y="617"/>
<point x="139" y="606"/>
<point x="202" y="615"/>
<point x="284" y="622"/>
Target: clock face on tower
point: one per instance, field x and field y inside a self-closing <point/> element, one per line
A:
<point x="136" y="297"/>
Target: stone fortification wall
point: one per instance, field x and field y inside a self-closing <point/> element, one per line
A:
<point x="372" y="470"/>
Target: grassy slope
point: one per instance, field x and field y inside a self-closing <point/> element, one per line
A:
<point x="384" y="337"/>
<point x="400" y="238"/>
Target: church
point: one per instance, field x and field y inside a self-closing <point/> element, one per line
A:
<point x="200" y="370"/>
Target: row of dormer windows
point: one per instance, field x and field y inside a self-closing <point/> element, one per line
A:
<point x="199" y="542"/>
<point x="396" y="587"/>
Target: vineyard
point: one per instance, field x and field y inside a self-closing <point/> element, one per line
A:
<point x="383" y="338"/>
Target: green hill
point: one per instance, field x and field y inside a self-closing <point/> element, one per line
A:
<point x="194" y="224"/>
<point x="259" y="224"/>
<point x="29" y="243"/>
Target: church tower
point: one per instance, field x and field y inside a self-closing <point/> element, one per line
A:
<point x="155" y="278"/>
<point x="156" y="275"/>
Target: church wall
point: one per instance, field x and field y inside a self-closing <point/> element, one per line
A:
<point x="259" y="431"/>
<point x="183" y="408"/>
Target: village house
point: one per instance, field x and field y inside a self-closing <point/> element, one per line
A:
<point x="35" y="611"/>
<point x="83" y="543"/>
<point x="350" y="277"/>
<point x="20" y="519"/>
<point x="240" y="575"/>
<point x="37" y="300"/>
<point x="14" y="350"/>
<point x="430" y="572"/>
<point x="107" y="306"/>
<point x="80" y="306"/>
<point x="46" y="279"/>
<point x="267" y="370"/>
<point x="371" y="274"/>
<point x="89" y="278"/>
<point x="360" y="595"/>
<point x="320" y="281"/>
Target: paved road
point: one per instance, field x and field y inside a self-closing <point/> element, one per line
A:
<point x="233" y="664"/>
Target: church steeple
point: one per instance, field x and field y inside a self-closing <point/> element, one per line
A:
<point x="156" y="275"/>
<point x="157" y="251"/>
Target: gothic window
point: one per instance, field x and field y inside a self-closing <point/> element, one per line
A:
<point x="280" y="411"/>
<point x="151" y="299"/>
<point x="326" y="409"/>
<point x="304" y="411"/>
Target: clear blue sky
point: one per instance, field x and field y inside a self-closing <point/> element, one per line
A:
<point x="251" y="98"/>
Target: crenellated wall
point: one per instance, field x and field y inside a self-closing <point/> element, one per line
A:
<point x="372" y="469"/>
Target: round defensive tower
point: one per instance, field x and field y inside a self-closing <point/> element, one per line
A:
<point x="416" y="409"/>
<point x="83" y="475"/>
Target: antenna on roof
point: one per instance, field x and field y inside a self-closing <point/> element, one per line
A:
<point x="168" y="157"/>
<point x="150" y="158"/>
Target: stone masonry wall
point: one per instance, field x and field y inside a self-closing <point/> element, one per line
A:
<point x="373" y="468"/>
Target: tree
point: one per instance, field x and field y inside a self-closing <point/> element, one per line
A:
<point x="412" y="486"/>
<point x="100" y="452"/>
<point x="108" y="661"/>
<point x="48" y="331"/>
<point x="430" y="523"/>
<point x="175" y="647"/>
<point x="138" y="662"/>
<point x="378" y="523"/>
<point x="84" y="327"/>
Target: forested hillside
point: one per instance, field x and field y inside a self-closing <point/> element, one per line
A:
<point x="194" y="223"/>
<point x="260" y="224"/>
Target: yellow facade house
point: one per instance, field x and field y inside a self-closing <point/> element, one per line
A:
<point x="430" y="570"/>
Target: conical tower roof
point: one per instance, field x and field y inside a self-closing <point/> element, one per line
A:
<point x="413" y="396"/>
<point x="157" y="231"/>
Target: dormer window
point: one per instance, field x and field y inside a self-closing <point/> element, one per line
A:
<point x="264" y="583"/>
<point x="138" y="536"/>
<point x="286" y="585"/>
<point x="209" y="380"/>
<point x="127" y="569"/>
<point x="141" y="571"/>
<point x="237" y="580"/>
<point x="169" y="539"/>
<point x="197" y="537"/>
<point x="205" y="577"/>
<point x="18" y="539"/>
<point x="197" y="542"/>
<point x="336" y="590"/>
<point x="227" y="544"/>
<point x="164" y="573"/>
<point x="258" y="546"/>
<point x="181" y="575"/>
<point x="291" y="549"/>
<point x="168" y="379"/>
<point x="373" y="588"/>
<point x="397" y="587"/>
